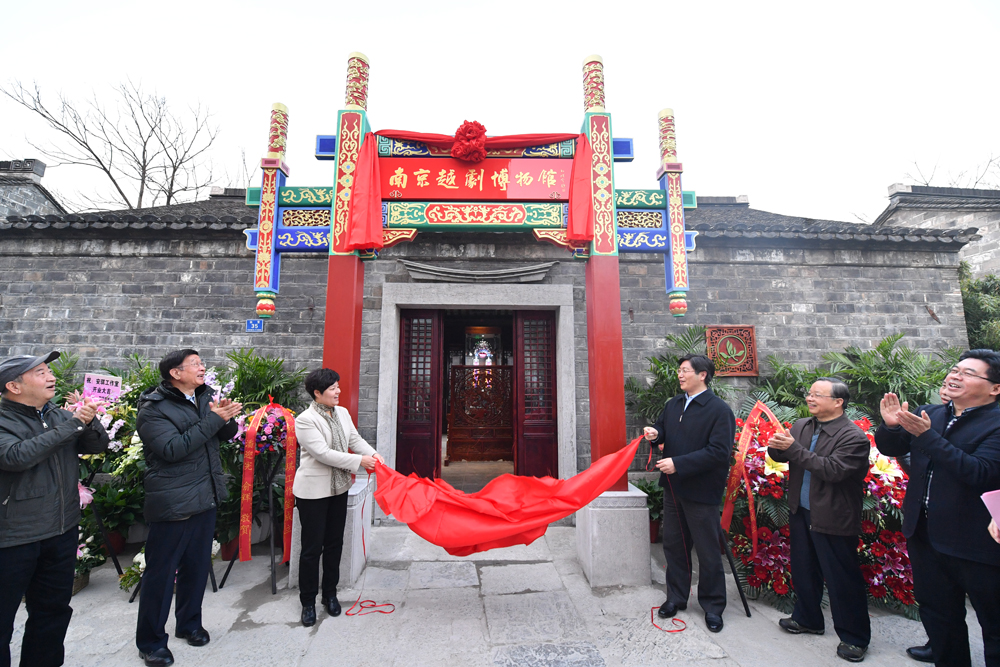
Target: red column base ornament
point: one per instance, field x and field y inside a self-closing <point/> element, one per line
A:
<point x="604" y="361"/>
<point x="345" y="286"/>
<point x="678" y="304"/>
<point x="265" y="304"/>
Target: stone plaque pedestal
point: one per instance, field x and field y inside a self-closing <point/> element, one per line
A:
<point x="359" y="521"/>
<point x="612" y="539"/>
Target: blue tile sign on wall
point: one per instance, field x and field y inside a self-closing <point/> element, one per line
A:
<point x="255" y="326"/>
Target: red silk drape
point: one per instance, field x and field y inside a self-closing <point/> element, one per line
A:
<point x="580" y="228"/>
<point x="365" y="230"/>
<point x="365" y="218"/>
<point x="507" y="141"/>
<point x="510" y="510"/>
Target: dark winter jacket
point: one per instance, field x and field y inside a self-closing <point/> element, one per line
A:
<point x="181" y="445"/>
<point x="837" y="467"/>
<point x="39" y="470"/>
<point x="966" y="464"/>
<point x="699" y="440"/>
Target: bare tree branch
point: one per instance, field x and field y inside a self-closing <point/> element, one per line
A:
<point x="146" y="152"/>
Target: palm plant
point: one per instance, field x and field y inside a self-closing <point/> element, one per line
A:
<point x="786" y="385"/>
<point x="256" y="377"/>
<point x="981" y="300"/>
<point x="648" y="398"/>
<point x="64" y="368"/>
<point x="889" y="367"/>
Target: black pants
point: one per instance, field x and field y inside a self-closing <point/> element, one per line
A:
<point x="687" y="524"/>
<point x="818" y="557"/>
<point x="323" y="522"/>
<point x="181" y="550"/>
<point x="41" y="572"/>
<point x="940" y="583"/>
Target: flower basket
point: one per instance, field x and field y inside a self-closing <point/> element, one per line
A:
<point x="80" y="582"/>
<point x="229" y="549"/>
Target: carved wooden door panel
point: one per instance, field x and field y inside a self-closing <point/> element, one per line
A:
<point x="536" y="449"/>
<point x="418" y="430"/>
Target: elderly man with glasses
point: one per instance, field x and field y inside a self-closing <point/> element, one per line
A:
<point x="181" y="425"/>
<point x="954" y="458"/>
<point x="827" y="457"/>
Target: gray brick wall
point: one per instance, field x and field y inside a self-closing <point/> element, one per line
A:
<point x="983" y="256"/>
<point x="24" y="199"/>
<point x="102" y="297"/>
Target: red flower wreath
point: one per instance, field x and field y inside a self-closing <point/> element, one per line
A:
<point x="470" y="142"/>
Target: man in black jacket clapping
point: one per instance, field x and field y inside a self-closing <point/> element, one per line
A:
<point x="954" y="458"/>
<point x="695" y="433"/>
<point x="180" y="426"/>
<point x="39" y="505"/>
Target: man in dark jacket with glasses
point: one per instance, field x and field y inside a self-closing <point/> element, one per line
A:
<point x="181" y="425"/>
<point x="827" y="457"/>
<point x="39" y="505"/>
<point x="954" y="458"/>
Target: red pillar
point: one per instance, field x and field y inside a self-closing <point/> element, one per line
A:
<point x="604" y="360"/>
<point x="345" y="286"/>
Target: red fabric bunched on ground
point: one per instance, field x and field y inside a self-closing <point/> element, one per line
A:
<point x="510" y="510"/>
<point x="365" y="220"/>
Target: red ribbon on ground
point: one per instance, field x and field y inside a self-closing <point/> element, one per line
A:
<point x="246" y="492"/>
<point x="510" y="510"/>
<point x="366" y="607"/>
<point x="365" y="216"/>
<point x="739" y="470"/>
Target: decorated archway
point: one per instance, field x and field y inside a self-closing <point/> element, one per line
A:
<point x="390" y="185"/>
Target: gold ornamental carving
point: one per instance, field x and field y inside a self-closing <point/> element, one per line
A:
<point x="356" y="96"/>
<point x="668" y="137"/>
<point x="306" y="218"/>
<point x="593" y="84"/>
<point x="277" y="135"/>
<point x="639" y="220"/>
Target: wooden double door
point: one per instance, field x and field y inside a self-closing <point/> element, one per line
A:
<point x="532" y="384"/>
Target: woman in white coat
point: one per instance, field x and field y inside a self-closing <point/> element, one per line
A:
<point x="331" y="451"/>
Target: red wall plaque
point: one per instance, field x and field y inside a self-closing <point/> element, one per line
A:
<point x="733" y="349"/>
<point x="496" y="179"/>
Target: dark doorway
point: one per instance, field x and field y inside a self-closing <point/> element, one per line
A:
<point x="477" y="395"/>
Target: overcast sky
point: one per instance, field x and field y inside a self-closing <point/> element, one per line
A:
<point x="809" y="109"/>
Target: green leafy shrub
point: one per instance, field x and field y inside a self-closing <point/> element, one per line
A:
<point x="889" y="367"/>
<point x="255" y="377"/>
<point x="648" y="398"/>
<point x="654" y="497"/>
<point x="67" y="381"/>
<point x="981" y="299"/>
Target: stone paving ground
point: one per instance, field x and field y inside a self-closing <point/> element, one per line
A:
<point x="523" y="606"/>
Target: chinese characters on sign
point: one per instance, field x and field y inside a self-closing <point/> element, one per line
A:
<point x="493" y="179"/>
<point x="103" y="387"/>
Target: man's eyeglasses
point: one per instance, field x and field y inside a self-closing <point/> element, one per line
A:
<point x="809" y="394"/>
<point x="966" y="373"/>
<point x="200" y="364"/>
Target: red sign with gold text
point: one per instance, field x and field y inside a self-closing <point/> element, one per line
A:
<point x="495" y="179"/>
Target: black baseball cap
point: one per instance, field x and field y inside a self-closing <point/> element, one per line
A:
<point x="12" y="367"/>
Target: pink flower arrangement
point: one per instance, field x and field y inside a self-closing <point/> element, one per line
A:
<point x="272" y="433"/>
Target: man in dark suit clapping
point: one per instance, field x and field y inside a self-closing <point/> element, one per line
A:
<point x="695" y="433"/>
<point x="954" y="458"/>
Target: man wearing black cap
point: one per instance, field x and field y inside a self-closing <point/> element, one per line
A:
<point x="39" y="505"/>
